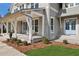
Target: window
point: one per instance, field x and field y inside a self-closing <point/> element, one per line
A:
<point x="25" y="25"/>
<point x="71" y="4"/>
<point x="36" y="5"/>
<point x="52" y="24"/>
<point x="15" y="10"/>
<point x="66" y="5"/>
<point x="32" y="5"/>
<point x="35" y="25"/>
<point x="22" y="6"/>
<point x="67" y="25"/>
<point x="73" y="23"/>
<point x="32" y="24"/>
<point x="28" y="5"/>
<point x="77" y="4"/>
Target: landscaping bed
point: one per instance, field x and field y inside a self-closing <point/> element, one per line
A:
<point x="45" y="47"/>
<point x="25" y="48"/>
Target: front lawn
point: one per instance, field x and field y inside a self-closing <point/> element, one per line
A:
<point x="53" y="51"/>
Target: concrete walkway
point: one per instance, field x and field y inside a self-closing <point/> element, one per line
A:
<point x="6" y="50"/>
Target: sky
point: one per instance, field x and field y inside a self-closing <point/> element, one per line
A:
<point x="4" y="8"/>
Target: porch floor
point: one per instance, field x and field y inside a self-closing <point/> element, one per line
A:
<point x="22" y="37"/>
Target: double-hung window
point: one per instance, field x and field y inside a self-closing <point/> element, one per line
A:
<point x="32" y="5"/>
<point x="51" y="24"/>
<point x="35" y="25"/>
<point x="36" y="5"/>
<point x="77" y="4"/>
<point x="28" y="5"/>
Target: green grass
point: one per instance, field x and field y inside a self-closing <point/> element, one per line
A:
<point x="53" y="51"/>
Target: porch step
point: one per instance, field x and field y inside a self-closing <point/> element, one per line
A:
<point x="73" y="39"/>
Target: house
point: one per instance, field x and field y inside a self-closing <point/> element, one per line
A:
<point x="29" y="21"/>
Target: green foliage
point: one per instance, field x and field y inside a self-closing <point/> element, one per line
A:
<point x="14" y="39"/>
<point x="45" y="40"/>
<point x="25" y="43"/>
<point x="18" y="41"/>
<point x="65" y="41"/>
<point x="8" y="40"/>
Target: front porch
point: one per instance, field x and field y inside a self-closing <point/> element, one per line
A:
<point x="23" y="27"/>
<point x="69" y="25"/>
<point x="69" y="29"/>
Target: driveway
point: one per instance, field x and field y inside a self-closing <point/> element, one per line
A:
<point x="6" y="50"/>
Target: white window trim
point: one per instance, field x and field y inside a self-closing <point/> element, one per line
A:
<point x="67" y="19"/>
<point x="72" y="6"/>
<point x="34" y="25"/>
<point x="53" y="25"/>
<point x="34" y="5"/>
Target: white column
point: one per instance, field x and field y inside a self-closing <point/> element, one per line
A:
<point x="77" y="27"/>
<point x="29" y="23"/>
<point x="15" y="29"/>
<point x="7" y="27"/>
<point x="30" y="30"/>
<point x="1" y="28"/>
<point x="43" y="26"/>
<point x="48" y="20"/>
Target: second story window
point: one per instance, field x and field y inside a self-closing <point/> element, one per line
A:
<point x="22" y="6"/>
<point x="36" y="5"/>
<point x="71" y="4"/>
<point x="28" y="5"/>
<point x="32" y="5"/>
<point x="77" y="4"/>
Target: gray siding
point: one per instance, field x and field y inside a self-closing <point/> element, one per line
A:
<point x="56" y="23"/>
<point x="71" y="11"/>
<point x="54" y="5"/>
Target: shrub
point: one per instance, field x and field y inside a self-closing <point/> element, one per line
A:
<point x="45" y="40"/>
<point x="25" y="43"/>
<point x="14" y="39"/>
<point x="8" y="40"/>
<point x="18" y="41"/>
<point x="65" y="41"/>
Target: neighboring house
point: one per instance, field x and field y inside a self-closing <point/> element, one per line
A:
<point x="31" y="21"/>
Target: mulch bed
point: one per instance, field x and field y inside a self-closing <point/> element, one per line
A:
<point x="23" y="48"/>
